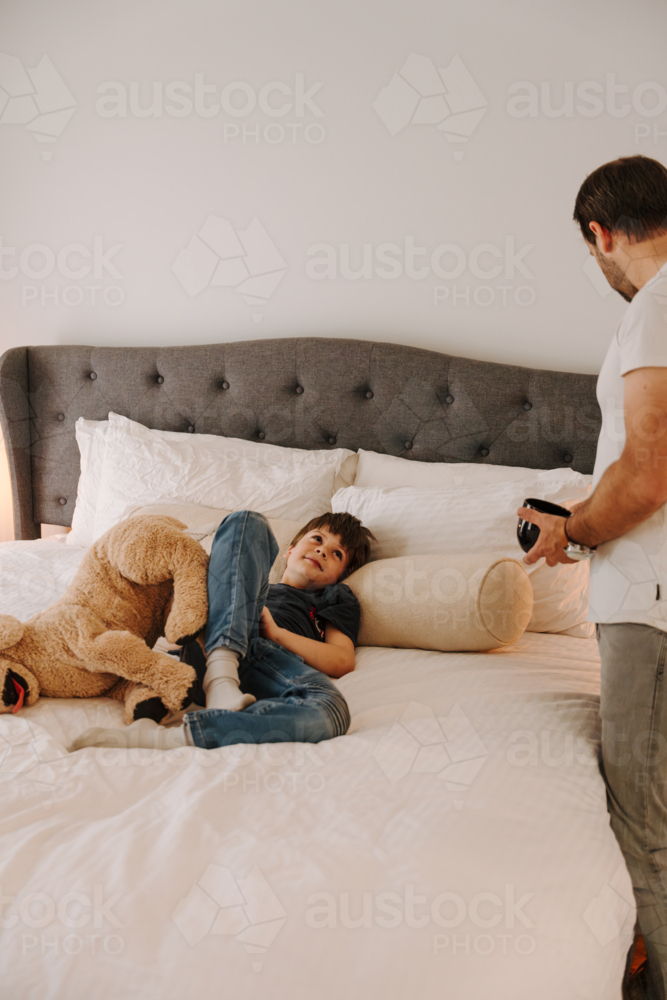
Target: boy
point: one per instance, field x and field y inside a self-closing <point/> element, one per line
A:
<point x="269" y="648"/>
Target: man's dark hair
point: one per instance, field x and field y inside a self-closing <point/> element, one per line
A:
<point x="628" y="195"/>
<point x="355" y="539"/>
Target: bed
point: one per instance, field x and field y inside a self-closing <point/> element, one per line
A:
<point x="455" y="842"/>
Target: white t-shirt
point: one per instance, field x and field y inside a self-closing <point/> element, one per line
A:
<point x="626" y="572"/>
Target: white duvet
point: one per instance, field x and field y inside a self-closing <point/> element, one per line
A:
<point x="454" y="844"/>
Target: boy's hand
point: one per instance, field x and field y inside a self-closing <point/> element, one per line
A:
<point x="335" y="656"/>
<point x="267" y="626"/>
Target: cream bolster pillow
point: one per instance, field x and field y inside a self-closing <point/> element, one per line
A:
<point x="448" y="603"/>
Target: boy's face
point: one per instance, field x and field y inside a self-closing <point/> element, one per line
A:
<point x="316" y="560"/>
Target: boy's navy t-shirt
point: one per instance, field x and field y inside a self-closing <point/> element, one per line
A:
<point x="306" y="611"/>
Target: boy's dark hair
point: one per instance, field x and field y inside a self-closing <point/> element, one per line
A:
<point x="354" y="538"/>
<point x="628" y="195"/>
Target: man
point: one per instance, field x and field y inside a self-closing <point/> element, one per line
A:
<point x="621" y="209"/>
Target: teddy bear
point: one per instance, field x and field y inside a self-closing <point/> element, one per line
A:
<point x="143" y="579"/>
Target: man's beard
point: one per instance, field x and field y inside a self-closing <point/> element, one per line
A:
<point x="616" y="276"/>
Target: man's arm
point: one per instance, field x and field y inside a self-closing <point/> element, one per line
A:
<point x="335" y="656"/>
<point x="631" y="489"/>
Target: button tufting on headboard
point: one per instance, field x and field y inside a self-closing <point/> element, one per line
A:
<point x="412" y="391"/>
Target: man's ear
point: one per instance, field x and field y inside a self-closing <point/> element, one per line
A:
<point x="288" y="553"/>
<point x="603" y="237"/>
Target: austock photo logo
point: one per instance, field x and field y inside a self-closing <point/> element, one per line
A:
<point x="505" y="266"/>
<point x="462" y="917"/>
<point x="71" y="275"/>
<point x="36" y="98"/>
<point x="613" y="909"/>
<point x="592" y="270"/>
<point x="592" y="99"/>
<point x="28" y="755"/>
<point x="420" y="743"/>
<point x="236" y="100"/>
<point x="63" y="923"/>
<point x="420" y="94"/>
<point x="246" y="909"/>
<point x="594" y="273"/>
<point x="219" y="256"/>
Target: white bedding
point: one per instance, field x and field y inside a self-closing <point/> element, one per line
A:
<point x="194" y="873"/>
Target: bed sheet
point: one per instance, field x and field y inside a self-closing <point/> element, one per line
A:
<point x="35" y="574"/>
<point x="454" y="842"/>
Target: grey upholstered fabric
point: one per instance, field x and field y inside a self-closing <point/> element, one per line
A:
<point x="303" y="392"/>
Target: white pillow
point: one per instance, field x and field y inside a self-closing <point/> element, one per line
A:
<point x="374" y="469"/>
<point x="91" y="439"/>
<point x="203" y="522"/>
<point x="146" y="466"/>
<point x="347" y="472"/>
<point x="463" y="520"/>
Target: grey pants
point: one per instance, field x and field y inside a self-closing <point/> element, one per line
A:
<point x="633" y="709"/>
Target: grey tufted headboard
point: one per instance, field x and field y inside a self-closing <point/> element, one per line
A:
<point x="305" y="392"/>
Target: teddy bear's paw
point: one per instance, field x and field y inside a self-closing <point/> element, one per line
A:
<point x="151" y="708"/>
<point x="186" y="640"/>
<point x="183" y="628"/>
<point x="15" y="691"/>
<point x="195" y="695"/>
<point x="176" y="688"/>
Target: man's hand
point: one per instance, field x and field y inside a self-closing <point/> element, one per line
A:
<point x="552" y="539"/>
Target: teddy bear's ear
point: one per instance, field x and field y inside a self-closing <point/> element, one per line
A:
<point x="11" y="631"/>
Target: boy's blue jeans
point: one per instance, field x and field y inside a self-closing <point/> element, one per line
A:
<point x="295" y="702"/>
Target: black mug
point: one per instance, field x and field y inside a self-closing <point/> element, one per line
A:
<point x="528" y="533"/>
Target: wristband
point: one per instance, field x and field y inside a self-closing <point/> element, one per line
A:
<point x="580" y="546"/>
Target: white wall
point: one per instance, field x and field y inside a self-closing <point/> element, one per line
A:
<point x="347" y="170"/>
<point x="142" y="187"/>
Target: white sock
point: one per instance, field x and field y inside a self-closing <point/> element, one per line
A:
<point x="144" y="734"/>
<point x="221" y="681"/>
